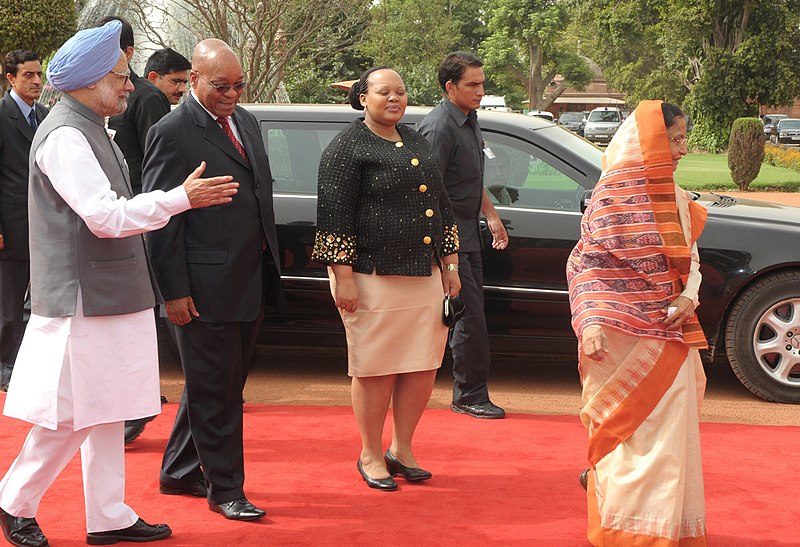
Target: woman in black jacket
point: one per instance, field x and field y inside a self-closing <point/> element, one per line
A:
<point x="386" y="231"/>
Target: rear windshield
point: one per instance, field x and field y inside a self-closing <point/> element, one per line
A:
<point x="604" y="116"/>
<point x="571" y="117"/>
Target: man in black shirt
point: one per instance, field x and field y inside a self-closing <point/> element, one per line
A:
<point x="453" y="131"/>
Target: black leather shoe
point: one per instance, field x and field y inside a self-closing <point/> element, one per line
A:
<point x="240" y="509"/>
<point x="487" y="410"/>
<point x="139" y="532"/>
<point x="197" y="489"/>
<point x="3" y="387"/>
<point x="583" y="478"/>
<point x="387" y="484"/>
<point x="409" y="473"/>
<point x="22" y="532"/>
<point x="134" y="428"/>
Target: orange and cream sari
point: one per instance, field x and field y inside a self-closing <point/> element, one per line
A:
<point x="636" y="255"/>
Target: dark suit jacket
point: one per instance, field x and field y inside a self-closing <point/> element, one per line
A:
<point x="146" y="105"/>
<point x="214" y="254"/>
<point x="15" y="146"/>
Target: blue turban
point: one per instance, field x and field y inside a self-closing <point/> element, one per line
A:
<point x="86" y="57"/>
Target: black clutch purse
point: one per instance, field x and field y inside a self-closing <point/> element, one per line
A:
<point x="452" y="310"/>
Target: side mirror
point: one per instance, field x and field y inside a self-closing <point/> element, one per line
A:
<point x="586" y="198"/>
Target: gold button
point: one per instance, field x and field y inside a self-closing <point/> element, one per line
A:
<point x="423" y="188"/>
<point x="414" y="162"/>
<point x="399" y="144"/>
<point x="427" y="240"/>
<point x="429" y="213"/>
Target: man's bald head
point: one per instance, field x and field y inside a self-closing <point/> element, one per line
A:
<point x="210" y="53"/>
<point x="216" y="78"/>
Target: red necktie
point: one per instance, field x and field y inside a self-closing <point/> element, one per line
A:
<point x="226" y="127"/>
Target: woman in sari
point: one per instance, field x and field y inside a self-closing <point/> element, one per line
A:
<point x="633" y="281"/>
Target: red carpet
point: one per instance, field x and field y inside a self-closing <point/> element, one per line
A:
<point x="507" y="482"/>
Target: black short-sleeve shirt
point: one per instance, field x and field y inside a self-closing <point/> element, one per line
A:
<point x="458" y="146"/>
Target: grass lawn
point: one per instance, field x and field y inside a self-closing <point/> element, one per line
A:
<point x="710" y="172"/>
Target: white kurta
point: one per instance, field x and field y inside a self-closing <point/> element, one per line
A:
<point x="113" y="359"/>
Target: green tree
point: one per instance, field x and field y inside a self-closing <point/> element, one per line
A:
<point x="720" y="59"/>
<point x="334" y="57"/>
<point x="413" y="36"/>
<point x="37" y="25"/>
<point x="528" y="46"/>
<point x="265" y="34"/>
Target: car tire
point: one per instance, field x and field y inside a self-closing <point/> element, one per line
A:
<point x="762" y="337"/>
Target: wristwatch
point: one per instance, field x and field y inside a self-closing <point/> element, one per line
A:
<point x="451" y="267"/>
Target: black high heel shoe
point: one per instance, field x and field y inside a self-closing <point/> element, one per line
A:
<point x="583" y="478"/>
<point x="386" y="484"/>
<point x="409" y="473"/>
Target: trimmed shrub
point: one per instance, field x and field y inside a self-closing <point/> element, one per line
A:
<point x="745" y="150"/>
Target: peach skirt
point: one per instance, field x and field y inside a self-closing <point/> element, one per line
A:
<point x="398" y="325"/>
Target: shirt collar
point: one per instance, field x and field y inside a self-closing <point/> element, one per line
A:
<point x="23" y="106"/>
<point x="213" y="117"/>
<point x="456" y="113"/>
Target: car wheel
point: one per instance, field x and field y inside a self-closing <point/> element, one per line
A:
<point x="762" y="337"/>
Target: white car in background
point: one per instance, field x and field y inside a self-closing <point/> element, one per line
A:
<point x="602" y="124"/>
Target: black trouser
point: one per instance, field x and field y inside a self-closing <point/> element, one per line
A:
<point x="14" y="277"/>
<point x="206" y="440"/>
<point x="469" y="339"/>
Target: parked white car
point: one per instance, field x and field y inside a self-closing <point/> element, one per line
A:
<point x="602" y="124"/>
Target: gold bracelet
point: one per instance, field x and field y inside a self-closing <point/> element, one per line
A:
<point x="451" y="267"/>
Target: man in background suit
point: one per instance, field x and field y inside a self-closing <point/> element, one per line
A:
<point x="168" y="70"/>
<point x="215" y="270"/>
<point x="146" y="105"/>
<point x="20" y="115"/>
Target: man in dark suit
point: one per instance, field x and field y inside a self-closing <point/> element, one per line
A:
<point x="146" y="105"/>
<point x="20" y="115"/>
<point x="215" y="270"/>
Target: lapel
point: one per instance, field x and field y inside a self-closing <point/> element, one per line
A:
<point x="212" y="132"/>
<point x="250" y="140"/>
<point x="18" y="120"/>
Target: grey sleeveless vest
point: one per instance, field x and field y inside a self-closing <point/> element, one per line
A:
<point x="113" y="274"/>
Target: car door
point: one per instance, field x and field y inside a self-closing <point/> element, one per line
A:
<point x="294" y="150"/>
<point x="537" y="196"/>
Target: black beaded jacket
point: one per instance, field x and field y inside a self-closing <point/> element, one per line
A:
<point x="381" y="204"/>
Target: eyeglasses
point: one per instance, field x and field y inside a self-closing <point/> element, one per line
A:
<point x="177" y="82"/>
<point x="680" y="141"/>
<point x="224" y="88"/>
<point x="125" y="75"/>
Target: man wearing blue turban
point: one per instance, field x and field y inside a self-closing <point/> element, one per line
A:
<point x="89" y="358"/>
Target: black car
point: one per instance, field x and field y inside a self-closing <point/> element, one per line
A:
<point x="786" y="131"/>
<point x="574" y="121"/>
<point x="750" y="296"/>
<point x="770" y="121"/>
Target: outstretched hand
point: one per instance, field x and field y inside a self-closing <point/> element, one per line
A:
<point x="211" y="191"/>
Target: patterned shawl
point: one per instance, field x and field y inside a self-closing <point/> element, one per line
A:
<point x="632" y="259"/>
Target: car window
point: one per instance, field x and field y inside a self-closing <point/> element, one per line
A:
<point x="519" y="177"/>
<point x="571" y="117"/>
<point x="789" y="124"/>
<point x="294" y="152"/>
<point x="604" y="116"/>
